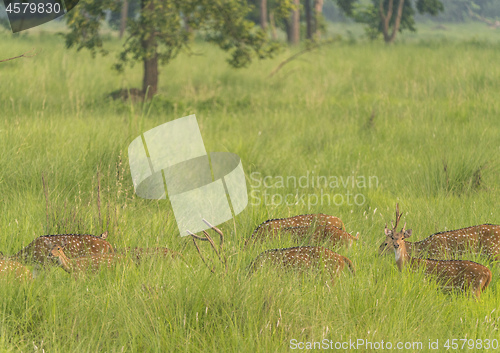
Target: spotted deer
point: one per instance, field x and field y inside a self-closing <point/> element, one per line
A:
<point x="303" y="258"/>
<point x="450" y="274"/>
<point x="76" y="245"/>
<point x="483" y="239"/>
<point x="81" y="264"/>
<point x="139" y="254"/>
<point x="14" y="269"/>
<point x="314" y="228"/>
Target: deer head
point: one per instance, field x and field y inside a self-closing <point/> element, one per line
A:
<point x="391" y="234"/>
<point x="57" y="252"/>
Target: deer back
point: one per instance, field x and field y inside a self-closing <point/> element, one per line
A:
<point x="15" y="269"/>
<point x="302" y="258"/>
<point x="272" y="227"/>
<point x="481" y="239"/>
<point x="75" y="245"/>
<point x="85" y="263"/>
<point x="322" y="235"/>
<point x="456" y="274"/>
<point x="95" y="262"/>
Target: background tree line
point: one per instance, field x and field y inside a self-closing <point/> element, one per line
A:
<point x="156" y="31"/>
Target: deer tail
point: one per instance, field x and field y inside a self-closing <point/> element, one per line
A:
<point x="487" y="282"/>
<point x="350" y="265"/>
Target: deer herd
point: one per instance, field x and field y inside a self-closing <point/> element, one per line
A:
<point x="314" y="235"/>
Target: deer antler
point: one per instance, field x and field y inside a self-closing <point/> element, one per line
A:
<point x="220" y="253"/>
<point x="218" y="232"/>
<point x="398" y="217"/>
<point x="194" y="237"/>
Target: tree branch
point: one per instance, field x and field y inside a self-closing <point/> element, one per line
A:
<point x="296" y="55"/>
<point x="492" y="24"/>
<point x="25" y="55"/>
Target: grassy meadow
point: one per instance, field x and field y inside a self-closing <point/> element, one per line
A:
<point x="418" y="119"/>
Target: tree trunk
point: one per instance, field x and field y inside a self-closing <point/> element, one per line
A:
<point x="386" y="19"/>
<point x="288" y="29"/>
<point x="274" y="36"/>
<point x="309" y="20"/>
<point x="295" y="24"/>
<point x="123" y="20"/>
<point x="398" y="21"/>
<point x="263" y="14"/>
<point x="318" y="10"/>
<point x="150" y="79"/>
<point x="149" y="45"/>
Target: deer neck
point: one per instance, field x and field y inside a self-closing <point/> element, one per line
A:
<point x="402" y="256"/>
<point x="410" y="247"/>
<point x="65" y="263"/>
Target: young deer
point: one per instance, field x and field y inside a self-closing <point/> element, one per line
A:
<point x="76" y="245"/>
<point x="320" y="227"/>
<point x="302" y="258"/>
<point x="15" y="269"/>
<point x="482" y="239"/>
<point x="84" y="263"/>
<point x="450" y="274"/>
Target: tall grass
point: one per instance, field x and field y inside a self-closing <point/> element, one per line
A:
<point x="420" y="117"/>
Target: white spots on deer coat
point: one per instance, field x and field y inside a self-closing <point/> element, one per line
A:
<point x="14" y="269"/>
<point x="483" y="239"/>
<point x="75" y="244"/>
<point x="315" y="228"/>
<point x="302" y="258"/>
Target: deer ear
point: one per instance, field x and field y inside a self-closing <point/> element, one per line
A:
<point x="408" y="233"/>
<point x="387" y="231"/>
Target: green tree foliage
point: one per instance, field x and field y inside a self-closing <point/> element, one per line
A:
<point x="165" y="27"/>
<point x="387" y="17"/>
<point x="115" y="16"/>
<point x="458" y="10"/>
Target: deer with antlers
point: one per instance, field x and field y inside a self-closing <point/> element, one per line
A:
<point x="450" y="274"/>
<point x="314" y="228"/>
<point x="76" y="245"/>
<point x="483" y="239"/>
<point x="304" y="258"/>
<point x="85" y="263"/>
